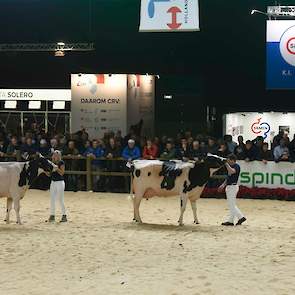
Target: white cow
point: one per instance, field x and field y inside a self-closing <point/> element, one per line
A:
<point x="164" y="179"/>
<point x="16" y="178"/>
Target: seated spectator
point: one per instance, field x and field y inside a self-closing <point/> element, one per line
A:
<point x="28" y="147"/>
<point x="212" y="146"/>
<point x="230" y="143"/>
<point x="223" y="150"/>
<point x="240" y="149"/>
<point x="196" y="152"/>
<point x="183" y="152"/>
<point x="43" y="148"/>
<point x="54" y="145"/>
<point x="265" y="154"/>
<point x="281" y="152"/>
<point x="3" y="147"/>
<point x="13" y="146"/>
<point x="169" y="152"/>
<point x="150" y="150"/>
<point x="131" y="152"/>
<point x="251" y="153"/>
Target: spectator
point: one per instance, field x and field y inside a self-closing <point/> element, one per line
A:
<point x="131" y="152"/>
<point x="223" y="150"/>
<point x="265" y="154"/>
<point x="54" y="145"/>
<point x="43" y="148"/>
<point x="3" y="147"/>
<point x="250" y="152"/>
<point x="183" y="152"/>
<point x="281" y="152"/>
<point x="71" y="165"/>
<point x="169" y="152"/>
<point x="95" y="152"/>
<point x="28" y="148"/>
<point x="196" y="153"/>
<point x="277" y="139"/>
<point x="13" y="146"/>
<point x="292" y="148"/>
<point x="240" y="149"/>
<point x="212" y="146"/>
<point x="230" y="143"/>
<point x="150" y="150"/>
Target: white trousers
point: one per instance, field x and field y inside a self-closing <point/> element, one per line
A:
<point x="231" y="195"/>
<point x="57" y="191"/>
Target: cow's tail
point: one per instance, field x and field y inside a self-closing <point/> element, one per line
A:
<point x="131" y="195"/>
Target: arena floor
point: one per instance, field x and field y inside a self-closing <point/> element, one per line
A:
<point x="101" y="252"/>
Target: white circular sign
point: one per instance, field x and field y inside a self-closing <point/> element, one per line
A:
<point x="287" y="46"/>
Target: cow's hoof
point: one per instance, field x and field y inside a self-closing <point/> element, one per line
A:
<point x="137" y="221"/>
<point x="180" y="223"/>
<point x="196" y="222"/>
<point x="19" y="223"/>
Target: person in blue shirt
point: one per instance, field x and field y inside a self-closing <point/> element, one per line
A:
<point x="231" y="189"/>
<point x="95" y="152"/>
<point x="131" y="152"/>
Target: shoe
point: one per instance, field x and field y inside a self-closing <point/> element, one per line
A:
<point x="51" y="218"/>
<point x="227" y="223"/>
<point x="64" y="218"/>
<point x="241" y="220"/>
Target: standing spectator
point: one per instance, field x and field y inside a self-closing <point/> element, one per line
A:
<point x="169" y="152"/>
<point x="54" y="145"/>
<point x="240" y="148"/>
<point x="281" y="152"/>
<point x="292" y="148"/>
<point x="150" y="150"/>
<point x="265" y="154"/>
<point x="277" y="139"/>
<point x="112" y="152"/>
<point x="131" y="152"/>
<point x="230" y="143"/>
<point x="95" y="152"/>
<point x="71" y="165"/>
<point x="250" y="152"/>
<point x="183" y="152"/>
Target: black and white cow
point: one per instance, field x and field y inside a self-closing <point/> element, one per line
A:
<point x="16" y="178"/>
<point x="164" y="179"/>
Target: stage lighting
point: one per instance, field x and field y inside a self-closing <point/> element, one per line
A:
<point x="58" y="105"/>
<point x="10" y="104"/>
<point x="34" y="104"/>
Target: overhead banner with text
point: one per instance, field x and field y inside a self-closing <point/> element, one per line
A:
<point x="280" y="54"/>
<point x="169" y="15"/>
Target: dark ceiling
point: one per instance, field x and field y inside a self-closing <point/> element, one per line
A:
<point x="225" y="60"/>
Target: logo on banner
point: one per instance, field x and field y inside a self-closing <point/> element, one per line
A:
<point x="260" y="128"/>
<point x="91" y="81"/>
<point x="287" y="46"/>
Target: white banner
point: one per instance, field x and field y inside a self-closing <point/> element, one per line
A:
<point x="169" y="15"/>
<point x="141" y="99"/>
<point x="270" y="175"/>
<point x="35" y="94"/>
<point x="99" y="103"/>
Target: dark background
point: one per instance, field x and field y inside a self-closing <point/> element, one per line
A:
<point x="223" y="65"/>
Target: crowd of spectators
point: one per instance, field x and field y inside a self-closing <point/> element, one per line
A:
<point x="184" y="146"/>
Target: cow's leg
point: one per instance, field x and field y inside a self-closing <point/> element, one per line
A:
<point x="8" y="209"/>
<point x="183" y="201"/>
<point x="136" y="203"/>
<point x="17" y="208"/>
<point x="194" y="208"/>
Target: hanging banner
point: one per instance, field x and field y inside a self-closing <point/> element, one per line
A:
<point x="280" y="54"/>
<point x="99" y="103"/>
<point x="169" y="15"/>
<point x="270" y="175"/>
<point x="141" y="97"/>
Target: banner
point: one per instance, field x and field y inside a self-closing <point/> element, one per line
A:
<point x="169" y="15"/>
<point x="267" y="124"/>
<point x="280" y="54"/>
<point x="99" y="103"/>
<point x="35" y="94"/>
<point x="141" y="98"/>
<point x="270" y="175"/>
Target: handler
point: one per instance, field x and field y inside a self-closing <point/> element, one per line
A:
<point x="57" y="186"/>
<point x="231" y="189"/>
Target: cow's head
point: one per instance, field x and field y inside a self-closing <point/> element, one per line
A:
<point x="32" y="169"/>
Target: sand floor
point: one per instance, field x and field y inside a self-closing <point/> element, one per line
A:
<point x="100" y="251"/>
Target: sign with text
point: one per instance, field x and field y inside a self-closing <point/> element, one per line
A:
<point x="280" y="54"/>
<point x="169" y="15"/>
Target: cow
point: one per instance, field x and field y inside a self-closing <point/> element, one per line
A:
<point x="169" y="178"/>
<point x="16" y="178"/>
